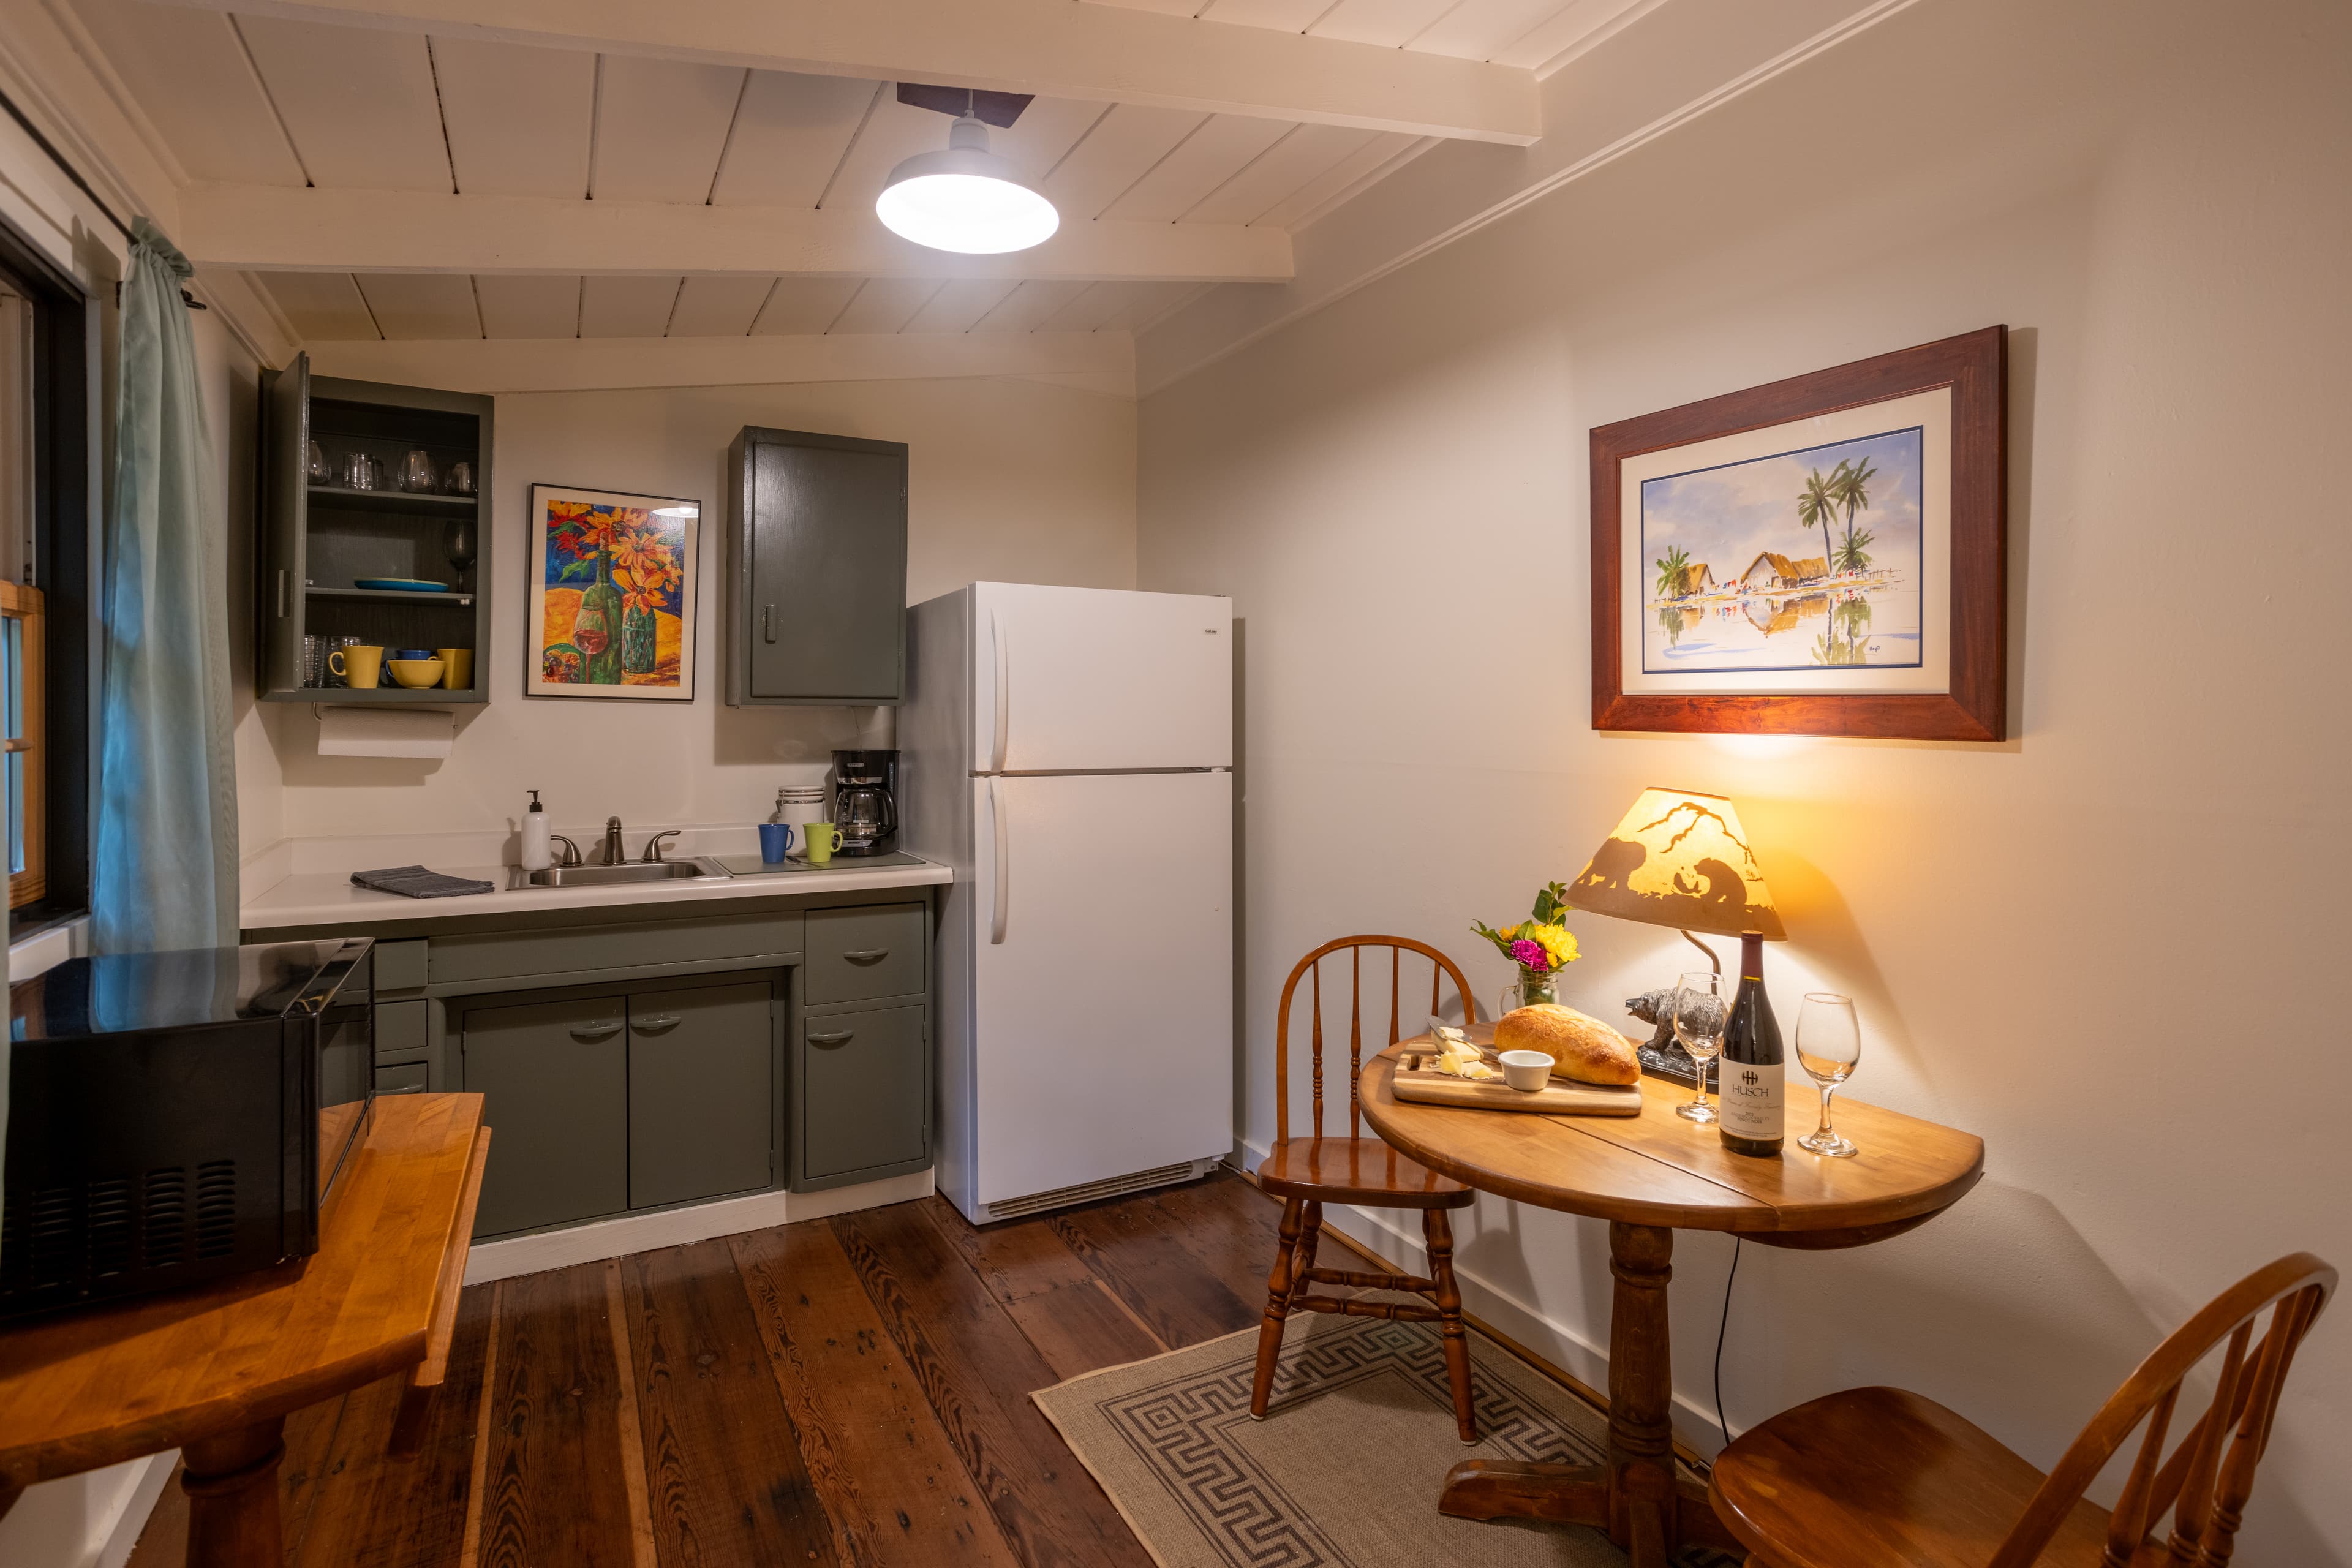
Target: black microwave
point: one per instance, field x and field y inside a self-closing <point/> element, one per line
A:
<point x="178" y="1117"/>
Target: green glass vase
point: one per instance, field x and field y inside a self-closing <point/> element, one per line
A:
<point x="596" y="631"/>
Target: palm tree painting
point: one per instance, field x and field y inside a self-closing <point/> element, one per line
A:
<point x="1831" y="532"/>
<point x="611" y="594"/>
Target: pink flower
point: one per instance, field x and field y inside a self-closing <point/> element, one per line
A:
<point x="1530" y="955"/>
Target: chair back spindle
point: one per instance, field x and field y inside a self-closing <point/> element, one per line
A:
<point x="1311" y="969"/>
<point x="2210" y="1475"/>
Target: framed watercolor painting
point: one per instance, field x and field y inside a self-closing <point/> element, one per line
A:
<point x="1821" y="556"/>
<point x="611" y="594"/>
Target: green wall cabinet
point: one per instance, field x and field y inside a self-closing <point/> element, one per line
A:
<point x="701" y="1094"/>
<point x="816" y="569"/>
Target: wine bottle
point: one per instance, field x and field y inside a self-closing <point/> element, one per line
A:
<point x="1754" y="1110"/>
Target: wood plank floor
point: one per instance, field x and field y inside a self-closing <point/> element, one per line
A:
<point x="853" y="1390"/>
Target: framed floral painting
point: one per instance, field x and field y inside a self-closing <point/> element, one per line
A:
<point x="1822" y="555"/>
<point x="611" y="594"/>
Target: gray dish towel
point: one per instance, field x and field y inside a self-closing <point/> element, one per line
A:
<point x="416" y="882"/>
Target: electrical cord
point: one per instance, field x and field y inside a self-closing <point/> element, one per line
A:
<point x="1719" y="1329"/>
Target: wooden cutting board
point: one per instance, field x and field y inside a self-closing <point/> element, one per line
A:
<point x="1559" y="1096"/>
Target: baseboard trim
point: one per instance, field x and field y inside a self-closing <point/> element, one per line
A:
<point x="1542" y="1341"/>
<point x="594" y="1242"/>
<point x="132" y="1523"/>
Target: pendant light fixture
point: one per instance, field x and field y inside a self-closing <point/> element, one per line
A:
<point x="966" y="199"/>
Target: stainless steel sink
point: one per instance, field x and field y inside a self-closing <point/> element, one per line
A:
<point x="630" y="872"/>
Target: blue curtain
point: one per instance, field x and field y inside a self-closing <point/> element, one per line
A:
<point x="166" y="864"/>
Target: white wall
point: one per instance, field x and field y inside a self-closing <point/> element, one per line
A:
<point x="2102" y="945"/>
<point x="1008" y="478"/>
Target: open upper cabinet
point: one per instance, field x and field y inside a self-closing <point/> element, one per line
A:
<point x="321" y="537"/>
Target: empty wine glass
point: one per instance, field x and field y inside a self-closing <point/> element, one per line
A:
<point x="318" y="473"/>
<point x="1702" y="1008"/>
<point x="1829" y="1046"/>
<point x="417" y="472"/>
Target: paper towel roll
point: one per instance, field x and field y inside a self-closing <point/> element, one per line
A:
<point x="384" y="733"/>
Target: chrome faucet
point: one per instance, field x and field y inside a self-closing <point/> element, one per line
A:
<point x="653" y="845"/>
<point x="571" y="850"/>
<point x="614" y="854"/>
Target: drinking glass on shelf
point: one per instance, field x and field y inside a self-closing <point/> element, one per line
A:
<point x="417" y="472"/>
<point x="319" y="472"/>
<point x="360" y="473"/>
<point x="1829" y="1046"/>
<point x="1702" y="1008"/>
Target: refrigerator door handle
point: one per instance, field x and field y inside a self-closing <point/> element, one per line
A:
<point x="996" y="816"/>
<point x="1004" y="693"/>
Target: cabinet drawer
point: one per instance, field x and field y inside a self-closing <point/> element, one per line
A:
<point x="406" y="1077"/>
<point x="400" y="1029"/>
<point x="400" y="965"/>
<point x="571" y="949"/>
<point x="863" y="953"/>
<point x="555" y="1081"/>
<point x="864" y="1100"/>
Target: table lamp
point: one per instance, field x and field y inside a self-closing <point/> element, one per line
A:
<point x="1680" y="859"/>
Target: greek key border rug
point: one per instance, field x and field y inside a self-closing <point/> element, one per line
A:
<point x="1344" y="1471"/>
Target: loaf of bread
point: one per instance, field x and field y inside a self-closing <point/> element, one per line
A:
<point x="1581" y="1047"/>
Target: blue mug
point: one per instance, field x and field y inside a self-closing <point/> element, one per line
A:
<point x="775" y="841"/>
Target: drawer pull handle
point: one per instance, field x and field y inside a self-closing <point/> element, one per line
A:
<point x="768" y="623"/>
<point x="834" y="1038"/>
<point x="867" y="955"/>
<point x="653" y="1021"/>
<point x="590" y="1033"/>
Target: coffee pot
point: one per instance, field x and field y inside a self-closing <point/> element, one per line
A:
<point x="866" y="801"/>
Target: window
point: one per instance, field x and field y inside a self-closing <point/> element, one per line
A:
<point x="47" y="627"/>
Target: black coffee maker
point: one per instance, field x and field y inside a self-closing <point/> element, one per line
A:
<point x="866" y="801"/>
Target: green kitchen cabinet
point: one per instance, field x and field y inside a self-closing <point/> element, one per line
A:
<point x="862" y="1097"/>
<point x="701" y="1094"/>
<point x="555" y="1085"/>
<point x="816" y="570"/>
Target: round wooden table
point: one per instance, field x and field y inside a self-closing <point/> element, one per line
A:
<point x="1649" y="1176"/>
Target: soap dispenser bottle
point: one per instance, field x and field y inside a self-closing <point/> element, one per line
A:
<point x="537" y="852"/>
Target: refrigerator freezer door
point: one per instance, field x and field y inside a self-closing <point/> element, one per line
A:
<point x="1068" y="679"/>
<point x="1103" y="977"/>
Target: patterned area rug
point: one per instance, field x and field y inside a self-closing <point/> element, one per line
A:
<point x="1344" y="1471"/>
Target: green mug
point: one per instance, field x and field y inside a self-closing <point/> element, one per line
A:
<point x="818" y="841"/>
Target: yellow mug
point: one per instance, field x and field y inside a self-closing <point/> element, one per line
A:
<point x="458" y="665"/>
<point x="360" y="668"/>
<point x="818" y="841"/>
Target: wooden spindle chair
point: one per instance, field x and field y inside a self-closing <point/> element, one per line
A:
<point x="1873" y="1476"/>
<point x="1306" y="1172"/>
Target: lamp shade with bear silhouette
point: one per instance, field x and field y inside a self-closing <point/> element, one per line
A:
<point x="1681" y="859"/>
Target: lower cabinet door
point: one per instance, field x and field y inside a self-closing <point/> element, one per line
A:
<point x="701" y="1094"/>
<point x="863" y="1109"/>
<point x="555" y="1081"/>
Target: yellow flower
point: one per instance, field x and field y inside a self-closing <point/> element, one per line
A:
<point x="1555" y="941"/>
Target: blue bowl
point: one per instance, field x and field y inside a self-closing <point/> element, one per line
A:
<point x="409" y="653"/>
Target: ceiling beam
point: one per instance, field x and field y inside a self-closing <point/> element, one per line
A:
<point x="1051" y="47"/>
<point x="1102" y="361"/>
<point x="283" y="228"/>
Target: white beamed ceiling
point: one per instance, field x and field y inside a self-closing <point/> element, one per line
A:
<point x="1534" y="34"/>
<point x="245" y="100"/>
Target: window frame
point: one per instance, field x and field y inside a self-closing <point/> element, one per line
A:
<point x="64" y="563"/>
<point x="27" y="736"/>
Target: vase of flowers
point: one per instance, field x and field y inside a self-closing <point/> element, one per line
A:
<point x="1540" y="945"/>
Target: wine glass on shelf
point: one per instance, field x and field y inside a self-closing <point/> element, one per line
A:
<point x="1829" y="1048"/>
<point x="1702" y="1008"/>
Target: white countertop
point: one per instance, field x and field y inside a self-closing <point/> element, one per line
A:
<point x="328" y="898"/>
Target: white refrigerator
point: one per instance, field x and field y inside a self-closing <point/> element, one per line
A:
<point x="1068" y="752"/>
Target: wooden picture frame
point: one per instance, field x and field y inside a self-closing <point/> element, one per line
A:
<point x="1935" y="669"/>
